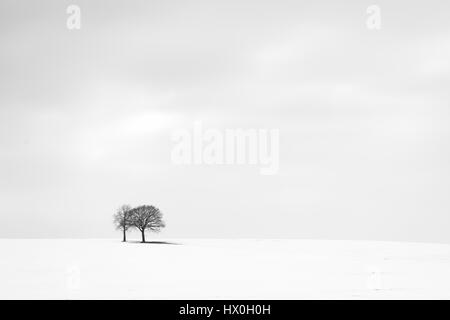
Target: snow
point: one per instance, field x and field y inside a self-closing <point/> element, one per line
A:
<point x="223" y="269"/>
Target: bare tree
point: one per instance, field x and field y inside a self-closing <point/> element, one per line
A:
<point x="122" y="220"/>
<point x="147" y="218"/>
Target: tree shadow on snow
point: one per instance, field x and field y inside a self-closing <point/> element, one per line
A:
<point x="156" y="242"/>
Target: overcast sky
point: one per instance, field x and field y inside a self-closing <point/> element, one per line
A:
<point x="86" y="117"/>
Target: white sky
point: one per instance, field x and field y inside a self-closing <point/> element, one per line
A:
<point x="86" y="117"/>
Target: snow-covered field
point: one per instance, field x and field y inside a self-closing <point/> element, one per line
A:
<point x="223" y="269"/>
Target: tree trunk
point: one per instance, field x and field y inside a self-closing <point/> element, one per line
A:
<point x="143" y="236"/>
<point x="124" y="235"/>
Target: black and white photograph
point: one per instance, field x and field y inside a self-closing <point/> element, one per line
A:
<point x="224" y="150"/>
